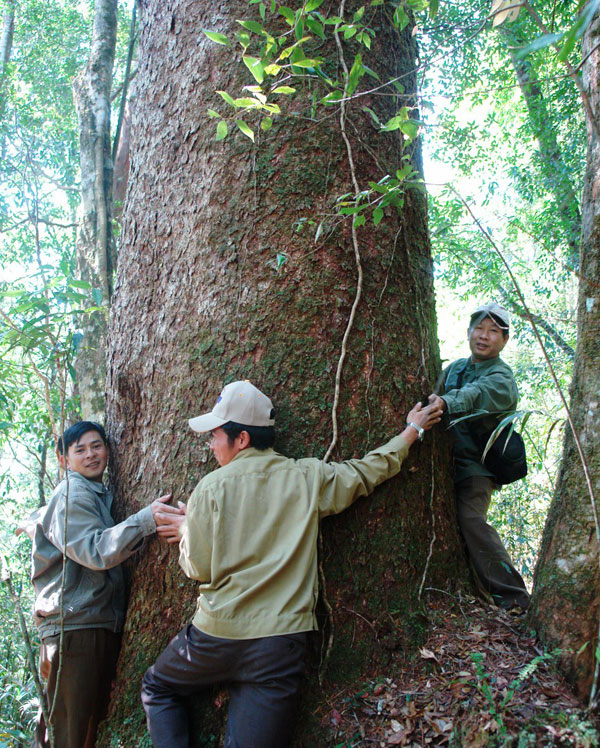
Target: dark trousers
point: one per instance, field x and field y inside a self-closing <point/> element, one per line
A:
<point x="263" y="677"/>
<point x="88" y="667"/>
<point x="487" y="553"/>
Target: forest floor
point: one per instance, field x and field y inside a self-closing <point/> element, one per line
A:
<point x="481" y="679"/>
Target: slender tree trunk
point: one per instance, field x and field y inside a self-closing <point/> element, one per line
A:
<point x="553" y="170"/>
<point x="8" y="28"/>
<point x="220" y="277"/>
<point x="566" y="601"/>
<point x="95" y="244"/>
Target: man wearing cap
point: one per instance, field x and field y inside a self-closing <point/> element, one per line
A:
<point x="250" y="539"/>
<point x="482" y="382"/>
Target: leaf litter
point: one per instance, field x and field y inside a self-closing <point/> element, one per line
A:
<point x="480" y="679"/>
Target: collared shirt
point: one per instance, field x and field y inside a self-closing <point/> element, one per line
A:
<point x="487" y="387"/>
<point x="250" y="536"/>
<point x="94" y="592"/>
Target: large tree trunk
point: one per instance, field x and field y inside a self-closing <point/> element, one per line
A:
<point x="566" y="600"/>
<point x="201" y="299"/>
<point x="95" y="243"/>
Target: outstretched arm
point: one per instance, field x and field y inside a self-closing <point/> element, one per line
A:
<point x="344" y="482"/>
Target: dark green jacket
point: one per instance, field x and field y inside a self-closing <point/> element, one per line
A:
<point x="486" y="386"/>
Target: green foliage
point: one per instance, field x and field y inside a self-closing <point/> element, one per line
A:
<point x="275" y="61"/>
<point x="42" y="298"/>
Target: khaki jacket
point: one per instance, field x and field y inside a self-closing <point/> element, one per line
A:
<point x="94" y="590"/>
<point x="250" y="536"/>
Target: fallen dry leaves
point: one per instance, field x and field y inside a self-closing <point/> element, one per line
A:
<point x="480" y="679"/>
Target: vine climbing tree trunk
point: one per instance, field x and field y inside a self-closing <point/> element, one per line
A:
<point x="95" y="243"/>
<point x="236" y="264"/>
<point x="566" y="600"/>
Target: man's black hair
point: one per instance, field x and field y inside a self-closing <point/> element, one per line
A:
<point x="74" y="433"/>
<point x="261" y="437"/>
<point x="475" y="318"/>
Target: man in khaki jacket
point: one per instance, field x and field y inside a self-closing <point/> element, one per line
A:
<point x="84" y="609"/>
<point x="250" y="538"/>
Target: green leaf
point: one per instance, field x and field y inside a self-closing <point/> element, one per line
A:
<point x="79" y="284"/>
<point x="356" y="73"/>
<point x="248" y="132"/>
<point x="374" y="116"/>
<point x="567" y="47"/>
<point x="332" y="97"/>
<point x="404" y="172"/>
<point x="218" y="38"/>
<point x="284" y="90"/>
<point x="312" y="5"/>
<point x="359" y="14"/>
<point x="410" y="128"/>
<point x="433" y="8"/>
<point x="212" y="114"/>
<point x="97" y="296"/>
<point x="288" y="14"/>
<point x="542" y="41"/>
<point x="333" y="20"/>
<point x="266" y="124"/>
<point x="221" y="130"/>
<point x="262" y="10"/>
<point x="246" y="103"/>
<point x="377" y="216"/>
<point x="253" y="26"/>
<point x="226" y="97"/>
<point x="359" y="221"/>
<point x="316" y="27"/>
<point x="272" y="69"/>
<point x="255" y="66"/>
<point x="306" y="63"/>
<point x="243" y="38"/>
<point x="400" y="18"/>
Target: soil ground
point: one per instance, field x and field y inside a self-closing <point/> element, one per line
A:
<point x="481" y="678"/>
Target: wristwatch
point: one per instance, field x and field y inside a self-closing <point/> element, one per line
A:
<point x="420" y="431"/>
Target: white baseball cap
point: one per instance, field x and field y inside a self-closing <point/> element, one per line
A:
<point x="240" y="402"/>
<point x="496" y="312"/>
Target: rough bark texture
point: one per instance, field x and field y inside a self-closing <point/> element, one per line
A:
<point x="199" y="301"/>
<point x="566" y="601"/>
<point x="95" y="244"/>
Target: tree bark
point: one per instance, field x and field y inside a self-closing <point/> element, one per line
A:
<point x="202" y="299"/>
<point x="8" y="27"/>
<point x="95" y="243"/>
<point x="566" y="601"/>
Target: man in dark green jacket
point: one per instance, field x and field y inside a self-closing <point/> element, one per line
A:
<point x="482" y="383"/>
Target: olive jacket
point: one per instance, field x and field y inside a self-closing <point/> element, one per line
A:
<point x="94" y="589"/>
